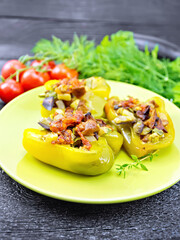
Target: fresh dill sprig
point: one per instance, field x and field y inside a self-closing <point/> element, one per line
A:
<point x="137" y="163"/>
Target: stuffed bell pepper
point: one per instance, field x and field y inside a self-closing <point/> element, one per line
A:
<point x="74" y="141"/>
<point x="145" y="126"/>
<point x="91" y="93"/>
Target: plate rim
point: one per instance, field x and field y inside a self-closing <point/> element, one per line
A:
<point x="85" y="200"/>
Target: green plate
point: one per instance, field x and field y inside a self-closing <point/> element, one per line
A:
<point x="24" y="112"/>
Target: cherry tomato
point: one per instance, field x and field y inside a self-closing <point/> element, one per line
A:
<point x="31" y="79"/>
<point x="48" y="65"/>
<point x="10" y="68"/>
<point x="10" y="89"/>
<point x="60" y="71"/>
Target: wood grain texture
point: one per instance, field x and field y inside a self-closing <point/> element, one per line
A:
<point x="28" y="215"/>
<point x="25" y="214"/>
<point x="129" y="11"/>
<point x="20" y="35"/>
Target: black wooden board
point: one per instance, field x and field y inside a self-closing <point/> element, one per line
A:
<point x="25" y="214"/>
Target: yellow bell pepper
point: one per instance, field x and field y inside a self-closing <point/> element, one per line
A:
<point x="132" y="141"/>
<point x="48" y="85"/>
<point x="95" y="104"/>
<point x="46" y="113"/>
<point x="98" y="86"/>
<point x="98" y="160"/>
<point x="97" y="91"/>
<point x="115" y="141"/>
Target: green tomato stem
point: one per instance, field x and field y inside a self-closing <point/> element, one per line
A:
<point x="17" y="73"/>
<point x="3" y="79"/>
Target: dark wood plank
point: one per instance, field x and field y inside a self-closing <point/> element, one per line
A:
<point x="28" y="215"/>
<point x="20" y="35"/>
<point x="128" y="11"/>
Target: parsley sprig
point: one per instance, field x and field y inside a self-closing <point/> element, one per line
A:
<point x="137" y="163"/>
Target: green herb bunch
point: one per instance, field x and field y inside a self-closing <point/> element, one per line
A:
<point x="117" y="58"/>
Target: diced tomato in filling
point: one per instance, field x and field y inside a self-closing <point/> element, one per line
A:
<point x="83" y="124"/>
<point x="88" y="128"/>
<point x="82" y="106"/>
<point x="57" y="126"/>
<point x="130" y="103"/>
<point x="69" y="112"/>
<point x="69" y="119"/>
<point x="65" y="137"/>
<point x="72" y="85"/>
<point x="85" y="142"/>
